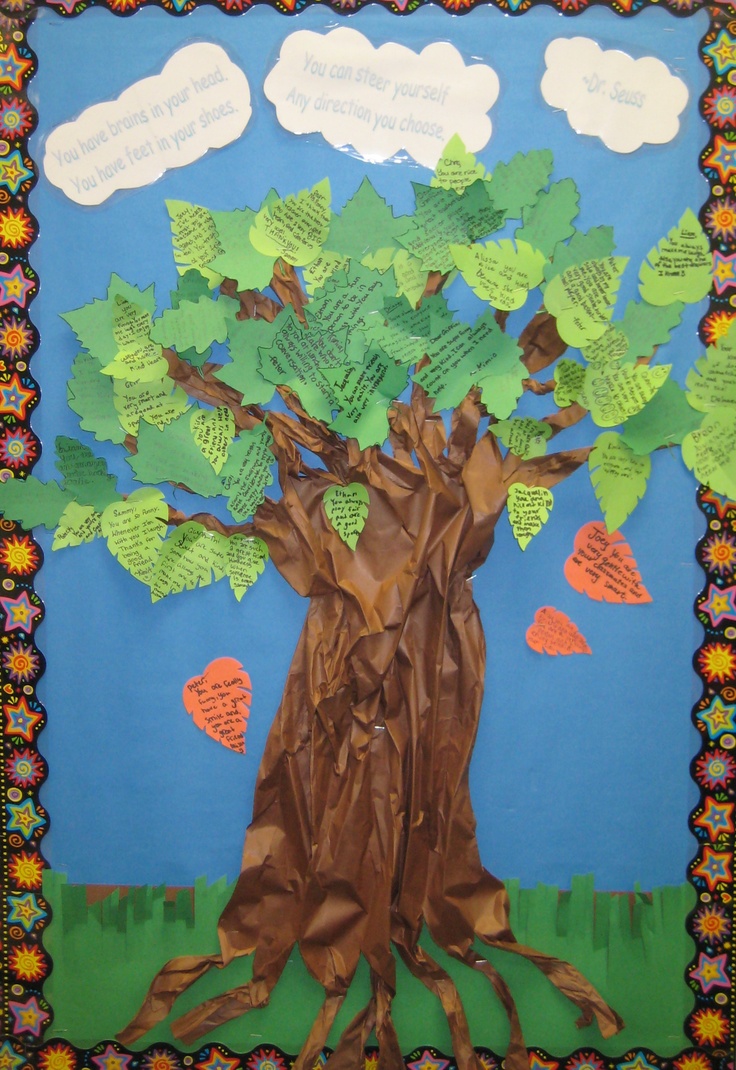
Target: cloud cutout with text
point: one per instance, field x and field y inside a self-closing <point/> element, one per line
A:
<point x="625" y="102"/>
<point x="199" y="101"/>
<point x="381" y="100"/>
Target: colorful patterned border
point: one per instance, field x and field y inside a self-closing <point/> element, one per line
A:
<point x="24" y="1013"/>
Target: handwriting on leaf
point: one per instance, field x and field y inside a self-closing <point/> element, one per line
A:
<point x="219" y="702"/>
<point x="710" y="451"/>
<point x="457" y="168"/>
<point x="77" y="524"/>
<point x="529" y="509"/>
<point x="295" y="228"/>
<point x="500" y="273"/>
<point x="213" y="432"/>
<point x="524" y="436"/>
<point x="581" y="298"/>
<point x="246" y="560"/>
<point x="347" y="511"/>
<point x="554" y="633"/>
<point x="187" y="559"/>
<point x="603" y="567"/>
<point x="195" y="239"/>
<point x="619" y="477"/>
<point x="134" y="530"/>
<point x="569" y="379"/>
<point x="680" y="267"/>
<point x="247" y="472"/>
<point x="615" y="392"/>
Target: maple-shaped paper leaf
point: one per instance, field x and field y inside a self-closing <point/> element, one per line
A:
<point x="191" y="286"/>
<point x="218" y="701"/>
<point x="365" y="225"/>
<point x="246" y="560"/>
<point x="648" y="326"/>
<point x="295" y="228"/>
<point x="517" y="184"/>
<point x="528" y="509"/>
<point x="615" y="392"/>
<point x="347" y="511"/>
<point x="602" y="566"/>
<point x="613" y="345"/>
<point x="213" y="431"/>
<point x="138" y="359"/>
<point x="679" y="268"/>
<point x="411" y="278"/>
<point x="157" y="403"/>
<point x="549" y="220"/>
<point x="194" y="325"/>
<point x="187" y="559"/>
<point x="581" y="298"/>
<point x="619" y="477"/>
<point x="77" y="524"/>
<point x="400" y="330"/>
<point x="298" y="358"/>
<point x="195" y="240"/>
<point x="594" y="244"/>
<point x="33" y="503"/>
<point x="363" y="394"/>
<point x="243" y="373"/>
<point x="443" y="218"/>
<point x="91" y="395"/>
<point x="664" y="421"/>
<point x="172" y="456"/>
<point x="239" y="259"/>
<point x="569" y="380"/>
<point x="523" y="435"/>
<point x="247" y="472"/>
<point x="321" y="268"/>
<point x="135" y="529"/>
<point x="710" y="451"/>
<point x="343" y="303"/>
<point x="85" y="476"/>
<point x="500" y="273"/>
<point x="457" y="168"/>
<point x="554" y="633"/>
<point x="93" y="323"/>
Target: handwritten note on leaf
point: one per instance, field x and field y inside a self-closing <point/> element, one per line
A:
<point x="347" y="511"/>
<point x="603" y="567"/>
<point x="219" y="702"/>
<point x="554" y="633"/>
<point x="679" y="268"/>
<point x="529" y="509"/>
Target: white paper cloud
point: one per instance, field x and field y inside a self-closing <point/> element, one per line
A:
<point x="625" y="102"/>
<point x="199" y="101"/>
<point x="381" y="100"/>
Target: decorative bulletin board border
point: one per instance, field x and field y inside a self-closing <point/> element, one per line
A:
<point x="26" y="1017"/>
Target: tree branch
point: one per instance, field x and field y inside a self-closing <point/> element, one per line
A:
<point x="549" y="470"/>
<point x="541" y="342"/>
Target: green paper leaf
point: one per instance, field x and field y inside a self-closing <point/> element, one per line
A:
<point x="411" y="278"/>
<point x="569" y="380"/>
<point x="401" y="331"/>
<point x="138" y="358"/>
<point x="664" y="421"/>
<point x="213" y="431"/>
<point x="517" y="184"/>
<point x="680" y="267"/>
<point x="295" y="228"/>
<point x="648" y="326"/>
<point x="78" y="524"/>
<point x="365" y="225"/>
<point x="246" y="560"/>
<point x="549" y="220"/>
<point x="528" y="509"/>
<point x="91" y="395"/>
<point x="93" y="323"/>
<point x="134" y="530"/>
<point x="194" y="325"/>
<point x="156" y="403"/>
<point x="347" y="511"/>
<point x="363" y="395"/>
<point x="321" y="268"/>
<point x="595" y="244"/>
<point x="499" y="272"/>
<point x="33" y="503"/>
<point x="524" y="436"/>
<point x="172" y="456"/>
<point x="710" y="451"/>
<point x="187" y="559"/>
<point x="457" y="168"/>
<point x="614" y="393"/>
<point x="581" y="299"/>
<point x="195" y="240"/>
<point x="245" y="338"/>
<point x="711" y="383"/>
<point x="247" y="472"/>
<point x="192" y="286"/>
<point x="85" y="476"/>
<point x="298" y="358"/>
<point x="239" y="259"/>
<point x="619" y="478"/>
<point x="344" y="302"/>
<point x="612" y="345"/>
<point x="443" y="218"/>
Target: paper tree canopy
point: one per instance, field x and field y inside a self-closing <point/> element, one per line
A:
<point x="341" y="312"/>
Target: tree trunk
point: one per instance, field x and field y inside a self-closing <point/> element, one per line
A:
<point x="363" y="829"/>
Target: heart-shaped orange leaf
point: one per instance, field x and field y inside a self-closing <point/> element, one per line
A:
<point x="554" y="633"/>
<point x="603" y="566"/>
<point x="219" y="702"/>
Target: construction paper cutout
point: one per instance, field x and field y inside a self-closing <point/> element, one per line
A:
<point x="33" y="503"/>
<point x="613" y="345"/>
<point x="93" y="323"/>
<point x="619" y="477"/>
<point x="680" y="268"/>
<point x="442" y="218"/>
<point x="135" y="529"/>
<point x="195" y="239"/>
<point x="569" y="380"/>
<point x="157" y="403"/>
<point x="219" y="702"/>
<point x="297" y="358"/>
<point x="363" y="395"/>
<point x="710" y="451"/>
<point x="648" y="326"/>
<point x="171" y="455"/>
<point x="92" y="397"/>
<point x="347" y="511"/>
<point x="457" y="168"/>
<point x="245" y="337"/>
<point x="246" y="560"/>
<point x="614" y="392"/>
<point x="194" y="325"/>
<point x="213" y="431"/>
<point x="411" y="278"/>
<point x="664" y="421"/>
<point x="138" y="359"/>
<point x="187" y="559"/>
<point x="529" y="509"/>
<point x="85" y="476"/>
<point x="594" y="244"/>
<point x="400" y="330"/>
<point x="365" y="224"/>
<point x="549" y="220"/>
<point x="524" y="436"/>
<point x="518" y="183"/>
<point x="603" y="567"/>
<point x="554" y="633"/>
<point x="239" y="259"/>
<point x="346" y="299"/>
<point x="321" y="268"/>
<point x="247" y="472"/>
<point x="581" y="298"/>
<point x="625" y="102"/>
<point x="295" y="228"/>
<point x="77" y="524"/>
<point x="381" y="100"/>
<point x="711" y="383"/>
<point x="500" y="273"/>
<point x="200" y="101"/>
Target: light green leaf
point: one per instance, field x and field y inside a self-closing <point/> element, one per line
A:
<point x="528" y="509"/>
<point x="295" y="228"/>
<point x="595" y="244"/>
<point x="411" y="278"/>
<point x="664" y="421"/>
<point x="457" y="168"/>
<point x="246" y="560"/>
<point x="549" y="220"/>
<point x="187" y="559"/>
<point x="90" y="394"/>
<point x="569" y="380"/>
<point x="195" y="239"/>
<point x="524" y="436"/>
<point x="499" y="272"/>
<point x="138" y="358"/>
<point x="443" y="218"/>
<point x="33" y="503"/>
<point x="680" y="267"/>
<point x="711" y="383"/>
<point x="93" y="323"/>
<point x="239" y="259"/>
<point x="400" y="330"/>
<point x="614" y="392"/>
<point x="619" y="478"/>
<point x="648" y="326"/>
<point x="710" y="452"/>
<point x="85" y="476"/>
<point x="213" y="431"/>
<point x="247" y="472"/>
<point x="77" y="524"/>
<point x="156" y="403"/>
<point x="172" y="456"/>
<point x="612" y="345"/>
<point x="581" y="299"/>
<point x="363" y="395"/>
<point x="518" y="183"/>
<point x="135" y="529"/>
<point x="194" y="325"/>
<point x="347" y="511"/>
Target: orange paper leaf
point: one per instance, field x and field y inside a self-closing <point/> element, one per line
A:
<point x="554" y="633"/>
<point x="603" y="567"/>
<point x="219" y="702"/>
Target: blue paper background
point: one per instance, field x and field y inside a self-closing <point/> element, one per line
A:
<point x="581" y="763"/>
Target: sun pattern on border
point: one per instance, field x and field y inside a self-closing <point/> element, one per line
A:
<point x="24" y="913"/>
